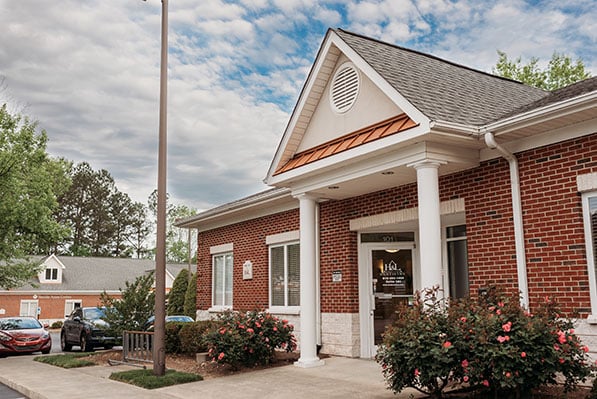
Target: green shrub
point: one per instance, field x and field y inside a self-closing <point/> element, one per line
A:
<point x="192" y="336"/>
<point x="490" y="343"/>
<point x="56" y="324"/>
<point x="248" y="338"/>
<point x="172" y="337"/>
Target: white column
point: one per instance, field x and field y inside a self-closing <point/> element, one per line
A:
<point x="430" y="241"/>
<point x="308" y="240"/>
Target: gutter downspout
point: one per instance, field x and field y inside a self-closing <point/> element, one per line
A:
<point x="521" y="264"/>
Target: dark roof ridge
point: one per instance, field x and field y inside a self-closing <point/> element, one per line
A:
<point x="433" y="56"/>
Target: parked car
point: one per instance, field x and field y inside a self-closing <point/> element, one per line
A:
<point x="176" y="318"/>
<point x="85" y="328"/>
<point x="23" y="335"/>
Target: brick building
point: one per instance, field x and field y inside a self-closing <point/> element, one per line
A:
<point x="67" y="282"/>
<point x="400" y="171"/>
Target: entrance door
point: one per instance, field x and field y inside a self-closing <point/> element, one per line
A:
<point x="392" y="285"/>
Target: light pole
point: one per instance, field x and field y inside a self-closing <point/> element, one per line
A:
<point x="159" y="351"/>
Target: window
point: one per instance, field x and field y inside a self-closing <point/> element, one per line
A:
<point x="590" y="221"/>
<point x="51" y="274"/>
<point x="222" y="280"/>
<point x="28" y="308"/>
<point x="285" y="286"/>
<point x="70" y="305"/>
<point x="457" y="261"/>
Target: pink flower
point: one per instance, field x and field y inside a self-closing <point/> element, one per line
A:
<point x="501" y="339"/>
<point x="556" y="347"/>
<point x="465" y="378"/>
<point x="250" y="330"/>
<point x="486" y="383"/>
<point x="222" y="330"/>
<point x="464" y="363"/>
<point x="585" y="349"/>
<point x="258" y="325"/>
<point x="523" y="354"/>
<point x="242" y="327"/>
<point x="463" y="319"/>
<point x="275" y="329"/>
<point x="498" y="312"/>
<point x="417" y="372"/>
<point x="508" y="374"/>
<point x="221" y="356"/>
<point x="501" y="304"/>
<point x="507" y="327"/>
<point x="561" y="360"/>
<point x="571" y="331"/>
<point x="447" y="344"/>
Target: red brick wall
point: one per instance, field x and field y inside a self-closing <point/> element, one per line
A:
<point x="249" y="244"/>
<point x="52" y="305"/>
<point x="552" y="218"/>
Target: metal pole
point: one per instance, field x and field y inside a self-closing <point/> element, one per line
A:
<point x="159" y="352"/>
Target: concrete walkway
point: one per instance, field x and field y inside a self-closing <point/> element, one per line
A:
<point x="338" y="378"/>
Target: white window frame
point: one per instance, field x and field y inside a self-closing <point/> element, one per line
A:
<point x="69" y="305"/>
<point x="591" y="261"/>
<point x="52" y="270"/>
<point x="285" y="309"/>
<point x="215" y="252"/>
<point x="31" y="304"/>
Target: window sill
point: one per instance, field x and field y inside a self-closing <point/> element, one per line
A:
<point x="218" y="309"/>
<point x="289" y="310"/>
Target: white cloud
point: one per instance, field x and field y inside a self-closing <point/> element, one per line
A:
<point x="89" y="72"/>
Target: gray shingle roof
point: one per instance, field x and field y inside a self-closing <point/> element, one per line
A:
<point x="565" y="93"/>
<point x="98" y="274"/>
<point x="442" y="90"/>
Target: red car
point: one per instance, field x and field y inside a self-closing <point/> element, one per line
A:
<point x="23" y="335"/>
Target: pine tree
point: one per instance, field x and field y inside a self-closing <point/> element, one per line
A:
<point x="190" y="299"/>
<point x="177" y="296"/>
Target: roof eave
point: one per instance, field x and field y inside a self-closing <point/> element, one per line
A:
<point x="541" y="114"/>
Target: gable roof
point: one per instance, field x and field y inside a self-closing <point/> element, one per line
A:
<point x="383" y="129"/>
<point x="98" y="274"/>
<point x="442" y="90"/>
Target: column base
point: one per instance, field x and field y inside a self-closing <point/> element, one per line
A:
<point x="308" y="363"/>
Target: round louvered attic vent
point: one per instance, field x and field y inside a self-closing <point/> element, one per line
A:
<point x="345" y="88"/>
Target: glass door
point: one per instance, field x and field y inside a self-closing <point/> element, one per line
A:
<point x="392" y="283"/>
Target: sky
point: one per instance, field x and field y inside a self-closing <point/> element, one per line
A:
<point x="88" y="72"/>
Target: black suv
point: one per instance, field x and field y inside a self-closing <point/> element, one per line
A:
<point x="84" y="327"/>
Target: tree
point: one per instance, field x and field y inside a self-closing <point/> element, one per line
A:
<point x="140" y="229"/>
<point x="104" y="220"/>
<point x="30" y="181"/>
<point x="131" y="311"/>
<point x="561" y="71"/>
<point x="190" y="299"/>
<point x="176" y="298"/>
<point x="177" y="239"/>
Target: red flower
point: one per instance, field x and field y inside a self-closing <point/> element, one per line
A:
<point x="221" y="356"/>
<point x="507" y="327"/>
<point x="250" y="330"/>
<point x="464" y="363"/>
<point x="523" y="354"/>
<point x="417" y="372"/>
<point x="447" y="344"/>
<point x="486" y="383"/>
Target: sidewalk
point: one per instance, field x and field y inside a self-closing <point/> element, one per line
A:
<point x="338" y="378"/>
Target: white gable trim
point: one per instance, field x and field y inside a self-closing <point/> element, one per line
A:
<point x="323" y="65"/>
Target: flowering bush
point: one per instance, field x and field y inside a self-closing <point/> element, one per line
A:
<point x="490" y="343"/>
<point x="248" y="338"/>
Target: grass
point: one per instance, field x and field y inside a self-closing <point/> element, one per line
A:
<point x="67" y="361"/>
<point x="146" y="379"/>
